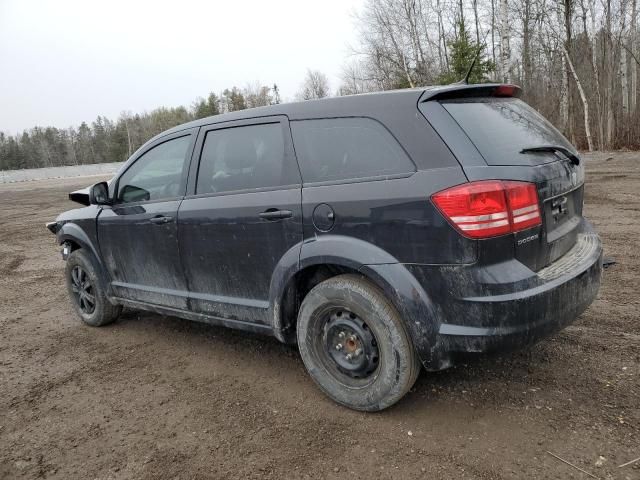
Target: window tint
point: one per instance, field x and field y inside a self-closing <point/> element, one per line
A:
<point x="344" y="148"/>
<point x="238" y="158"/>
<point x="501" y="127"/>
<point x="157" y="174"/>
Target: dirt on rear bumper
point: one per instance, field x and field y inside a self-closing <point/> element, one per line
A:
<point x="514" y="320"/>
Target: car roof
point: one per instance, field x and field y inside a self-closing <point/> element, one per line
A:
<point x="331" y="106"/>
<point x="364" y="104"/>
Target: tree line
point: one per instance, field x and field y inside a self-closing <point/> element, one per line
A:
<point x="105" y="140"/>
<point x="577" y="61"/>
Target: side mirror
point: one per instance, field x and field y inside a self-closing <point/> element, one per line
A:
<point x="131" y="193"/>
<point x="99" y="194"/>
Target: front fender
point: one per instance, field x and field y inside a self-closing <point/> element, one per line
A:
<point x="77" y="233"/>
<point x="71" y="232"/>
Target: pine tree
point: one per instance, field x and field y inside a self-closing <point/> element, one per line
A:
<point x="463" y="50"/>
<point x="276" y="94"/>
<point x="202" y="108"/>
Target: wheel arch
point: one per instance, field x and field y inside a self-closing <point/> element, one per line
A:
<point x="75" y="235"/>
<point x="329" y="256"/>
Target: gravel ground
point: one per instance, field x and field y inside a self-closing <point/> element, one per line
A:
<point x="155" y="397"/>
<point x="95" y="169"/>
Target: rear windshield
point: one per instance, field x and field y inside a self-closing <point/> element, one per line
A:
<point x="501" y="127"/>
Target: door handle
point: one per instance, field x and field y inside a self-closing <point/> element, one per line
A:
<point x="275" y="214"/>
<point x="160" y="219"/>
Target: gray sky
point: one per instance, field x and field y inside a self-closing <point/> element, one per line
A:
<point x="65" y="61"/>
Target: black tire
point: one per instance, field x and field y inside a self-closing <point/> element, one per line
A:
<point x="87" y="292"/>
<point x="352" y="304"/>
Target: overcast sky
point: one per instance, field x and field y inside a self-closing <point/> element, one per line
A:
<point x="65" y="61"/>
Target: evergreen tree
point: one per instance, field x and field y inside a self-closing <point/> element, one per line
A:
<point x="276" y="94"/>
<point x="202" y="108"/>
<point x="463" y="51"/>
<point x="106" y="141"/>
<point x="233" y="100"/>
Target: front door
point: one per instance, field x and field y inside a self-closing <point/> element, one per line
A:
<point x="242" y="217"/>
<point x="138" y="234"/>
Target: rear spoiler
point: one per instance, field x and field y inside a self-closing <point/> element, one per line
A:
<point x="446" y="92"/>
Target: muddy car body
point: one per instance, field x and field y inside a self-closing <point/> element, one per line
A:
<point x="381" y="232"/>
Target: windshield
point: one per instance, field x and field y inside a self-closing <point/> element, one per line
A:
<point x="501" y="127"/>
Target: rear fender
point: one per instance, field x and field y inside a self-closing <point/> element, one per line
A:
<point x="398" y="284"/>
<point x="415" y="307"/>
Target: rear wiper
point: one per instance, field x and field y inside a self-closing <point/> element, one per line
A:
<point x="554" y="148"/>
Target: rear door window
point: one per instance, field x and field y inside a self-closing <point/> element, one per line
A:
<point x="347" y="148"/>
<point x="245" y="157"/>
<point x="501" y="127"/>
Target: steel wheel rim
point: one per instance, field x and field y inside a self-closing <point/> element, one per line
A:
<point x="349" y="346"/>
<point x="83" y="290"/>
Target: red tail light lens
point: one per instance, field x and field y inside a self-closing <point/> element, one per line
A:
<point x="489" y="208"/>
<point x="505" y="91"/>
<point x="523" y="205"/>
<point x="477" y="209"/>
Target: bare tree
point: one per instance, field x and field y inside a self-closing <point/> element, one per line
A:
<point x="354" y="80"/>
<point x="624" y="84"/>
<point x="578" y="61"/>
<point x="633" y="46"/>
<point x="315" y="85"/>
<point x="256" y="95"/>
<point x="596" y="73"/>
<point x="567" y="54"/>
<point x="505" y="50"/>
<point x="607" y="55"/>
<point x="583" y="97"/>
<point x="442" y="43"/>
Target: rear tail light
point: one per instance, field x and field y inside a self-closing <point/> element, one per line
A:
<point x="523" y="205"/>
<point x="489" y="208"/>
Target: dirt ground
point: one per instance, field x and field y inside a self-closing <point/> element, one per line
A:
<point x="155" y="397"/>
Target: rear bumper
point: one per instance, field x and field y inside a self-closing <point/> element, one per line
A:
<point x="504" y="305"/>
<point x="453" y="309"/>
<point x="557" y="296"/>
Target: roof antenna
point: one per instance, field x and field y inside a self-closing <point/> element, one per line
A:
<point x="465" y="80"/>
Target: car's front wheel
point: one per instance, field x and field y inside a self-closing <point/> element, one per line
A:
<point x="86" y="291"/>
<point x="354" y="344"/>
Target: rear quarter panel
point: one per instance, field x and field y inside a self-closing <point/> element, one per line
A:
<point x="395" y="215"/>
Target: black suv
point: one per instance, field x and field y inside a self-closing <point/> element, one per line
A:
<point x="380" y="232"/>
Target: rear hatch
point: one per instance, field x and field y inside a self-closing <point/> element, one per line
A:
<point x="517" y="143"/>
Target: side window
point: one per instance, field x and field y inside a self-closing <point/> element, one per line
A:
<point x="346" y="148"/>
<point x="238" y="158"/>
<point x="157" y="174"/>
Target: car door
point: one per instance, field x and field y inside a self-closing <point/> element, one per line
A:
<point x="242" y="216"/>
<point x="137" y="235"/>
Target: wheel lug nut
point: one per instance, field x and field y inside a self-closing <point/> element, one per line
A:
<point x="349" y="356"/>
<point x="358" y="352"/>
<point x="341" y="334"/>
<point x="339" y="346"/>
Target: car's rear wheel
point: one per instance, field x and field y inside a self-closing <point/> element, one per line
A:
<point x="86" y="291"/>
<point x="354" y="344"/>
